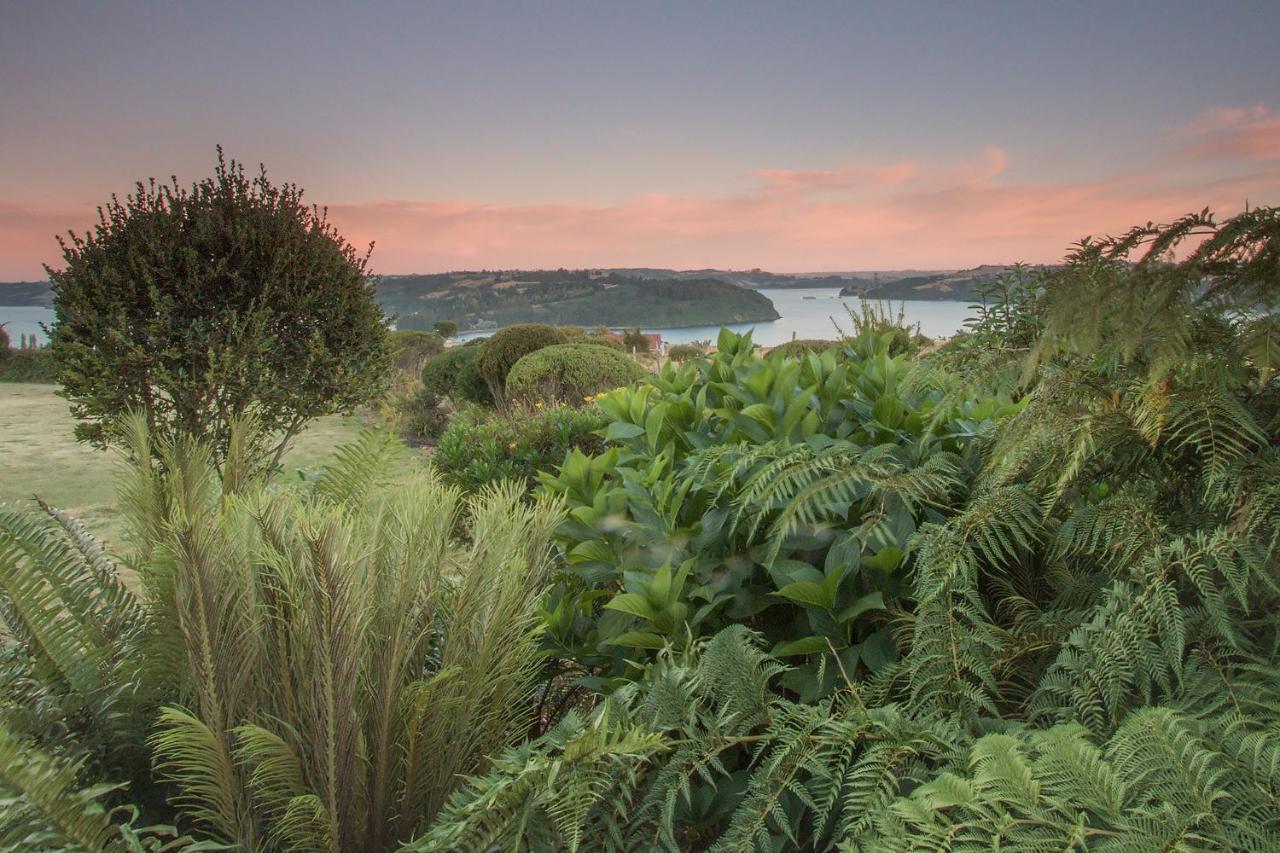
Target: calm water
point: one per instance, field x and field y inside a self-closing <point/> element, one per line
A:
<point x="806" y="313"/>
<point x="814" y="313"/>
<point x="25" y="321"/>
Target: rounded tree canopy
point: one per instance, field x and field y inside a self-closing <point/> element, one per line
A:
<point x="198" y="306"/>
<point x="500" y="351"/>
<point x="568" y="373"/>
<point x="453" y="374"/>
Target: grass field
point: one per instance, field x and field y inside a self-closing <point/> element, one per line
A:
<point x="39" y="455"/>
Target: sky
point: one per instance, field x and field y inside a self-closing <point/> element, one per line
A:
<point x="795" y="137"/>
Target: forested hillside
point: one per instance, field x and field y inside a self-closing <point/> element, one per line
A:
<point x="480" y="300"/>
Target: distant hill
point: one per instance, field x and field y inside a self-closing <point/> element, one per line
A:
<point x="26" y="294"/>
<point x="961" y="285"/>
<point x="486" y="300"/>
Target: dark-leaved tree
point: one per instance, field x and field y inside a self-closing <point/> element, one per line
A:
<point x="199" y="306"/>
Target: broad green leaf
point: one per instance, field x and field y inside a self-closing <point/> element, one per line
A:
<point x="621" y="431"/>
<point x="636" y="605"/>
<point x="805" y="646"/>
<point x="637" y="640"/>
<point x="808" y="593"/>
<point x="870" y="601"/>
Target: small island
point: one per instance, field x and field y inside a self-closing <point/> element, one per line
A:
<point x="492" y="299"/>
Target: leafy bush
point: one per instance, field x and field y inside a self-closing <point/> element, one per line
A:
<point x="568" y="373"/>
<point x="308" y="668"/>
<point x="633" y="340"/>
<point x="28" y="365"/>
<point x="797" y="348"/>
<point x="879" y="322"/>
<point x="453" y="374"/>
<point x="422" y="416"/>
<point x="200" y="305"/>
<point x="481" y="447"/>
<point x="781" y="491"/>
<point x="684" y="352"/>
<point x="412" y="349"/>
<point x="499" y="352"/>
<point x="4" y="340"/>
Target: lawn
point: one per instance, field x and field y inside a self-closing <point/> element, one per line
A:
<point x="39" y="455"/>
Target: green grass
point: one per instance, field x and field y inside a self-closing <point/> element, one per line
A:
<point x="40" y="456"/>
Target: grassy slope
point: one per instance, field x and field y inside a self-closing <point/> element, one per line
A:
<point x="39" y="454"/>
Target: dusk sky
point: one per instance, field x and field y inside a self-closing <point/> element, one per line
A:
<point x="788" y="136"/>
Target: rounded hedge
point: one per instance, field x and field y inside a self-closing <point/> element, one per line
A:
<point x="803" y="347"/>
<point x="499" y="352"/>
<point x="569" y="373"/>
<point x="453" y="374"/>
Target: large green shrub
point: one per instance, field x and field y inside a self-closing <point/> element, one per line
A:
<point x="568" y="373"/>
<point x="778" y="490"/>
<point x="200" y="305"/>
<point x="684" y="352"/>
<point x="296" y="668"/>
<point x="28" y="365"/>
<point x="481" y="447"/>
<point x="500" y="351"/>
<point x="453" y="374"/>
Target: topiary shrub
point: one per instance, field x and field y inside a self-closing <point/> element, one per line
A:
<point x="568" y="373"/>
<point x="453" y="374"/>
<point x="499" y="352"/>
<point x="481" y="447"/>
<point x="684" y="352"/>
<point x="803" y="346"/>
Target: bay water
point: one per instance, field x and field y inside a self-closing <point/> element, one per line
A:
<point x="805" y="313"/>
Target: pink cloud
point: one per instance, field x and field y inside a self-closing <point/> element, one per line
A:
<point x="956" y="211"/>
<point x="1244" y="133"/>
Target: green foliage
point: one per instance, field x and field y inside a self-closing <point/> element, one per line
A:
<point x="684" y="352"/>
<point x="879" y="322"/>
<point x="445" y="328"/>
<point x="798" y="348"/>
<point x="423" y="416"/>
<point x="453" y="374"/>
<point x="569" y="374"/>
<point x="500" y="351"/>
<point x="5" y="345"/>
<point x="28" y="365"/>
<point x="300" y="668"/>
<point x="782" y="492"/>
<point x="482" y="447"/>
<point x="411" y="350"/>
<point x="199" y="306"/>
<point x="1164" y="781"/>
<point x="633" y="340"/>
